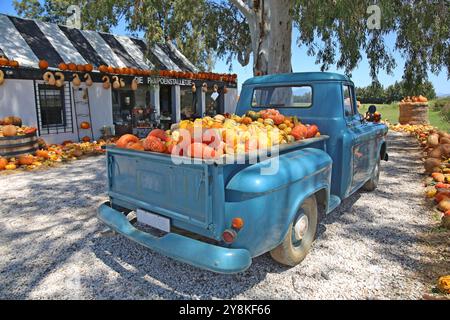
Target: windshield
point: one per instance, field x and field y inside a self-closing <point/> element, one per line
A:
<point x="282" y="97"/>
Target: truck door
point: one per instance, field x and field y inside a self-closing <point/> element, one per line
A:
<point x="362" y="141"/>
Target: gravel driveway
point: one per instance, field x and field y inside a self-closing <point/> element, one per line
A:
<point x="51" y="246"/>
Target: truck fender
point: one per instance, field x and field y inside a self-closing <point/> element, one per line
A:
<point x="293" y="167"/>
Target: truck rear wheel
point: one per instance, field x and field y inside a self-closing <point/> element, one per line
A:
<point x="300" y="237"/>
<point x="372" y="184"/>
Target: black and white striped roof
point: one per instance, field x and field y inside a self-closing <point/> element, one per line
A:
<point x="29" y="41"/>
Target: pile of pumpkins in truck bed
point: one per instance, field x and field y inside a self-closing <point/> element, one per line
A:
<point x="212" y="137"/>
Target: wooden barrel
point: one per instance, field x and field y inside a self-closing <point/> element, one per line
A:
<point x="18" y="145"/>
<point x="413" y="113"/>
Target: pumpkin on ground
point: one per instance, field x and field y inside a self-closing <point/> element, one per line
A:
<point x="26" y="160"/>
<point x="444" y="284"/>
<point x="3" y="163"/>
<point x="42" y="154"/>
<point x="11" y="166"/>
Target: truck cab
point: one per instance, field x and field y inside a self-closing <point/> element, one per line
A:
<point x="220" y="216"/>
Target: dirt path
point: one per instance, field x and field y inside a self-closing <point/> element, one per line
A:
<point x="51" y="247"/>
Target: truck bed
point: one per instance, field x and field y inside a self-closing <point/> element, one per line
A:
<point x="191" y="195"/>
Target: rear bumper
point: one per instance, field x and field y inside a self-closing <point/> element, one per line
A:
<point x="194" y="252"/>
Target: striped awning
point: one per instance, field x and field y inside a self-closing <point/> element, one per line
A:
<point x="29" y="41"/>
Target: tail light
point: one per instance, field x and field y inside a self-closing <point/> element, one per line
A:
<point x="229" y="235"/>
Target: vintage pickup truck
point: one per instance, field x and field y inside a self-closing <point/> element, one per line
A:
<point x="219" y="216"/>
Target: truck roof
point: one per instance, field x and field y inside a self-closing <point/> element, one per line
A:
<point x="297" y="77"/>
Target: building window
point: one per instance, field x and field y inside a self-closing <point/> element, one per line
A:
<point x="54" y="109"/>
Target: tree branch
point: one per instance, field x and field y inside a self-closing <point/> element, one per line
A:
<point x="245" y="9"/>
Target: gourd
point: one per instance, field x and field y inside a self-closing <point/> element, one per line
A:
<point x="88" y="79"/>
<point x="43" y="65"/>
<point x="125" y="140"/>
<point x="60" y="79"/>
<point x="103" y="68"/>
<point x="158" y="133"/>
<point x="14" y="64"/>
<point x="42" y="154"/>
<point x="2" y="77"/>
<point x="26" y="160"/>
<point x="134" y="84"/>
<point x="152" y="143"/>
<point x="122" y="83"/>
<point x="205" y="87"/>
<point x="49" y="78"/>
<point x="3" y="163"/>
<point x="116" y="83"/>
<point x="86" y="139"/>
<point x="299" y="131"/>
<point x="76" y="80"/>
<point x="10" y="166"/>
<point x="136" y="146"/>
<point x="85" y="125"/>
<point x="3" y="61"/>
<point x="9" y="131"/>
<point x="88" y="67"/>
<point x="106" y="82"/>
<point x="194" y="88"/>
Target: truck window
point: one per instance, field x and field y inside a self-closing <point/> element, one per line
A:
<point x="282" y="97"/>
<point x="349" y="109"/>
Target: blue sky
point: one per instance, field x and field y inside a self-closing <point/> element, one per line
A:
<point x="302" y="62"/>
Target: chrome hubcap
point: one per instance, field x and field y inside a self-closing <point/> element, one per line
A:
<point x="301" y="227"/>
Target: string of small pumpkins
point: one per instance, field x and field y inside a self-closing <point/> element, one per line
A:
<point x="414" y="99"/>
<point x="4" y="62"/>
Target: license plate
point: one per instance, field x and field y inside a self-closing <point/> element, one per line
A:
<point x="153" y="220"/>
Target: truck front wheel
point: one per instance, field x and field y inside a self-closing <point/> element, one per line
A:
<point x="300" y="237"/>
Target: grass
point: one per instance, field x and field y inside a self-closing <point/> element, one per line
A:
<point x="390" y="112"/>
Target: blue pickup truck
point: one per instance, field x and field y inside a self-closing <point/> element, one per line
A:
<point x="219" y="216"/>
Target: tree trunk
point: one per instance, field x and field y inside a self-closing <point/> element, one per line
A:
<point x="270" y="23"/>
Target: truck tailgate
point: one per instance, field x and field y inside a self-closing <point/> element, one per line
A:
<point x="152" y="182"/>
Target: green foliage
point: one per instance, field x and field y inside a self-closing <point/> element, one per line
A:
<point x="334" y="31"/>
<point x="376" y="93"/>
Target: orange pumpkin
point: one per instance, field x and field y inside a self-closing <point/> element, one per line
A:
<point x="110" y="69"/>
<point x="126" y="139"/>
<point x="81" y="68"/>
<point x="72" y="66"/>
<point x="9" y="131"/>
<point x="14" y="64"/>
<point x="88" y="67"/>
<point x="3" y="163"/>
<point x="42" y="154"/>
<point x="62" y="66"/>
<point x="299" y="132"/>
<point x="3" y="62"/>
<point x="85" y="125"/>
<point x="86" y="139"/>
<point x="136" y="146"/>
<point x="43" y="64"/>
<point x="103" y="69"/>
<point x="152" y="143"/>
<point x="26" y="160"/>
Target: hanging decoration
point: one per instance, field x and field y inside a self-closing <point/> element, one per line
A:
<point x="2" y="77"/>
<point x="106" y="82"/>
<point x="88" y="80"/>
<point x="49" y="78"/>
<point x="59" y="76"/>
<point x="116" y="83"/>
<point x="76" y="80"/>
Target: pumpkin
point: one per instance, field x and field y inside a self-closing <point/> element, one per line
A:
<point x="444" y="140"/>
<point x="3" y="62"/>
<point x="81" y="68"/>
<point x="159" y="133"/>
<point x="139" y="146"/>
<point x="110" y="69"/>
<point x="299" y="132"/>
<point x="246" y="120"/>
<point x="88" y="67"/>
<point x="43" y="64"/>
<point x="14" y="64"/>
<point x="103" y="69"/>
<point x="438" y="177"/>
<point x="3" y="163"/>
<point x="444" y="205"/>
<point x="433" y="140"/>
<point x="154" y="144"/>
<point x="10" y="166"/>
<point x="63" y="66"/>
<point x="85" y="125"/>
<point x="72" y="67"/>
<point x="311" y="131"/>
<point x="30" y="130"/>
<point x="444" y="284"/>
<point x="42" y="154"/>
<point x="431" y="164"/>
<point x="15" y="121"/>
<point x="76" y="152"/>
<point x="86" y="139"/>
<point x="125" y="140"/>
<point x="9" y="131"/>
<point x="422" y="99"/>
<point x="26" y="160"/>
